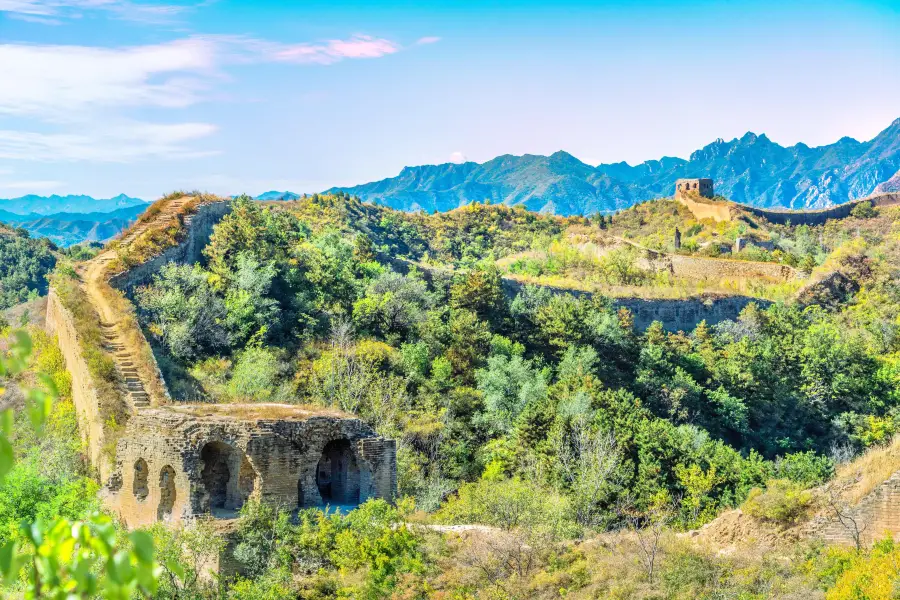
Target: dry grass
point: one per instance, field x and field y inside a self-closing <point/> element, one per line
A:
<point x="113" y="405"/>
<point x="670" y="289"/>
<point x="860" y="477"/>
<point x="261" y="411"/>
<point x="159" y="228"/>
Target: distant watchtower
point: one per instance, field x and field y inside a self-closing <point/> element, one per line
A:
<point x="699" y="187"/>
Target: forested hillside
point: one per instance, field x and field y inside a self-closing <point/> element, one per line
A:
<point x="325" y="310"/>
<point x="546" y="447"/>
<point x="24" y="265"/>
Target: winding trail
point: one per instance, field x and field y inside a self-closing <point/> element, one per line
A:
<point x="98" y="290"/>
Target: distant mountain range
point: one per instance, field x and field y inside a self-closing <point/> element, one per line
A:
<point x="49" y="205"/>
<point x="68" y="220"/>
<point x="270" y="196"/>
<point x="67" y="228"/>
<point x="752" y="170"/>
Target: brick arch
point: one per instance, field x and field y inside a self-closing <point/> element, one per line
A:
<point x="227" y="477"/>
<point x="167" y="493"/>
<point x="139" y="486"/>
<point x="339" y="473"/>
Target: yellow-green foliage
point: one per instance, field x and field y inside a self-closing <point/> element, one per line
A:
<point x="848" y="574"/>
<point x="473" y="232"/>
<point x="783" y="502"/>
<point x="509" y="504"/>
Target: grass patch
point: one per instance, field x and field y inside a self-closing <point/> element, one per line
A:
<point x="100" y="365"/>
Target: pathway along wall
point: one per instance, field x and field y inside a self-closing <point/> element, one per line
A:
<point x="189" y="251"/>
<point x="174" y="463"/>
<point x="84" y="395"/>
<point x="722" y="211"/>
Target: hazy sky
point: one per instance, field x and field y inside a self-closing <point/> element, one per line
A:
<point x="109" y="96"/>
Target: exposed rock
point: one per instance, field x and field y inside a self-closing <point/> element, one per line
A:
<point x="891" y="185"/>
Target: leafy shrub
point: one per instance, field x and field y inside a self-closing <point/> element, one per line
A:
<point x="864" y="210"/>
<point x="509" y="504"/>
<point x="783" y="502"/>
<point x="807" y="469"/>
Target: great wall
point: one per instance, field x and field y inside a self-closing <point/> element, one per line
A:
<point x="701" y="203"/>
<point x="172" y="461"/>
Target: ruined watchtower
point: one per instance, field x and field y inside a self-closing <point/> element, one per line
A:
<point x="697" y="187"/>
<point x="174" y="461"/>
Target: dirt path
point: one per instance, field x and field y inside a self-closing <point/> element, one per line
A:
<point x="98" y="290"/>
<point x="113" y="341"/>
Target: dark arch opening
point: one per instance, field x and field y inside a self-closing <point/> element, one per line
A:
<point x="166" y="493"/>
<point x="337" y="474"/>
<point x="140" y="487"/>
<point x="227" y="476"/>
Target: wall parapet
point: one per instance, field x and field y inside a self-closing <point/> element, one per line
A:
<point x="199" y="227"/>
<point x="91" y="426"/>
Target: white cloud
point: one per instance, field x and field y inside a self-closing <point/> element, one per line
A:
<point x="51" y="11"/>
<point x="57" y="81"/>
<point x="458" y="158"/>
<point x="33" y="186"/>
<point x="73" y="99"/>
<point x="122" y="143"/>
<point x="428" y="39"/>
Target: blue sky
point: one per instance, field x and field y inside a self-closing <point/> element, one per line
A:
<point x="140" y="97"/>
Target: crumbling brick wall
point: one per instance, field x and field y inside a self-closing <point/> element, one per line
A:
<point x="84" y="395"/>
<point x="274" y="460"/>
<point x="877" y="515"/>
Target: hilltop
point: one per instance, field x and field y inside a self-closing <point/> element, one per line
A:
<point x="751" y="170"/>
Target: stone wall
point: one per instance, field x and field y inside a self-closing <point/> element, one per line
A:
<point x="684" y="315"/>
<point x="877" y="515"/>
<point x="705" y="209"/>
<point x="84" y="396"/>
<point x="272" y="459"/>
<point x="674" y="314"/>
<point x="199" y="228"/>
<point x="710" y="269"/>
<point x="818" y="217"/>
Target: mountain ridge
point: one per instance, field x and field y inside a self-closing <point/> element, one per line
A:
<point x="70" y="203"/>
<point x="751" y="169"/>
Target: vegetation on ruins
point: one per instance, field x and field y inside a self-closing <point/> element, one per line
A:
<point x="546" y="447"/>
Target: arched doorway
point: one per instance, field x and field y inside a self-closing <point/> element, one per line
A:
<point x="337" y="474"/>
<point x="166" y="493"/>
<point x="140" y="487"/>
<point x="228" y="477"/>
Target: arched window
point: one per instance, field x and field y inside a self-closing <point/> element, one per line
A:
<point x="166" y="493"/>
<point x="337" y="474"/>
<point x="228" y="477"/>
<point x="140" y="488"/>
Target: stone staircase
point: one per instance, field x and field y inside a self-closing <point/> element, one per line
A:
<point x="113" y="344"/>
